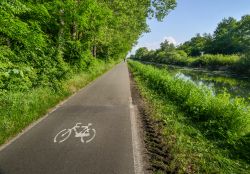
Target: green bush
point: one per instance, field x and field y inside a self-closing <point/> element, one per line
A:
<point x="175" y="57"/>
<point x="243" y="65"/>
<point x="20" y="108"/>
<point x="219" y="117"/>
<point x="202" y="133"/>
<point x="215" y="60"/>
<point x="44" y="42"/>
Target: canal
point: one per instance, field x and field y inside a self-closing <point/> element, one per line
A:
<point x="218" y="81"/>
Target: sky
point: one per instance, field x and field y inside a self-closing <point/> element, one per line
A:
<point x="189" y="18"/>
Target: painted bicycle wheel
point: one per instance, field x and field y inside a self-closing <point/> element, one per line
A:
<point x="91" y="136"/>
<point x="62" y="135"/>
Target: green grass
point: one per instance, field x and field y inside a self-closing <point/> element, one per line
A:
<point x="19" y="109"/>
<point x="213" y="60"/>
<point x="207" y="60"/>
<point x="205" y="133"/>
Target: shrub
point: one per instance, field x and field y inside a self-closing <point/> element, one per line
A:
<point x="215" y="60"/>
<point x="188" y="123"/>
<point x="243" y="65"/>
<point x="220" y="118"/>
<point x="176" y="57"/>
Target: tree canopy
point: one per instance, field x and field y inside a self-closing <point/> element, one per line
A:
<point x="228" y="45"/>
<point x="230" y="37"/>
<point x="42" y="41"/>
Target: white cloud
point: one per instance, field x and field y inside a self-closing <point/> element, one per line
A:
<point x="170" y="39"/>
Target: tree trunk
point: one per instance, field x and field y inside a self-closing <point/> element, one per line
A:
<point x="94" y="51"/>
<point x="74" y="30"/>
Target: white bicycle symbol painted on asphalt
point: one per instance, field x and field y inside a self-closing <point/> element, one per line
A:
<point x="86" y="133"/>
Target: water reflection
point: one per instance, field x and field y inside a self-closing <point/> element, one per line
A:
<point x="219" y="81"/>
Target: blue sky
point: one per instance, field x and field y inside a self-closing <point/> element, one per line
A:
<point x="189" y="18"/>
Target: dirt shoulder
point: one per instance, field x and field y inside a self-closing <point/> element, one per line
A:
<point x="155" y="153"/>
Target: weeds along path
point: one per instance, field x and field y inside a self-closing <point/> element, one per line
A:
<point x="202" y="133"/>
<point x="156" y="154"/>
<point x="18" y="109"/>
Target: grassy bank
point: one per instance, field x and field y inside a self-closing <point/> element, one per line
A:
<point x="205" y="133"/>
<point x="207" y="61"/>
<point x="236" y="63"/>
<point x="19" y="109"/>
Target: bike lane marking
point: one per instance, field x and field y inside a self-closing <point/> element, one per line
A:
<point x="50" y="111"/>
<point x="85" y="131"/>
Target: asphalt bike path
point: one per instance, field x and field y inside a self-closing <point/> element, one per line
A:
<point x="88" y="134"/>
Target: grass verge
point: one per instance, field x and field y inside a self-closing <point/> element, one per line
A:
<point x="234" y="63"/>
<point x="204" y="133"/>
<point x="19" y="109"/>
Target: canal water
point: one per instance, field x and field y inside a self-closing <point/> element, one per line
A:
<point x="218" y="81"/>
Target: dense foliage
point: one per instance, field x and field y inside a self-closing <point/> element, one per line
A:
<point x="207" y="122"/>
<point x="228" y="46"/>
<point x="20" y="108"/>
<point x="230" y="37"/>
<point x="44" y="41"/>
<point x="49" y="49"/>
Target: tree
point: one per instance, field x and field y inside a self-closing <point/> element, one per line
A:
<point x="160" y="8"/>
<point x="243" y="34"/>
<point x="141" y="53"/>
<point x="54" y="38"/>
<point x="167" y="46"/>
<point x="225" y="39"/>
<point x="196" y="45"/>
